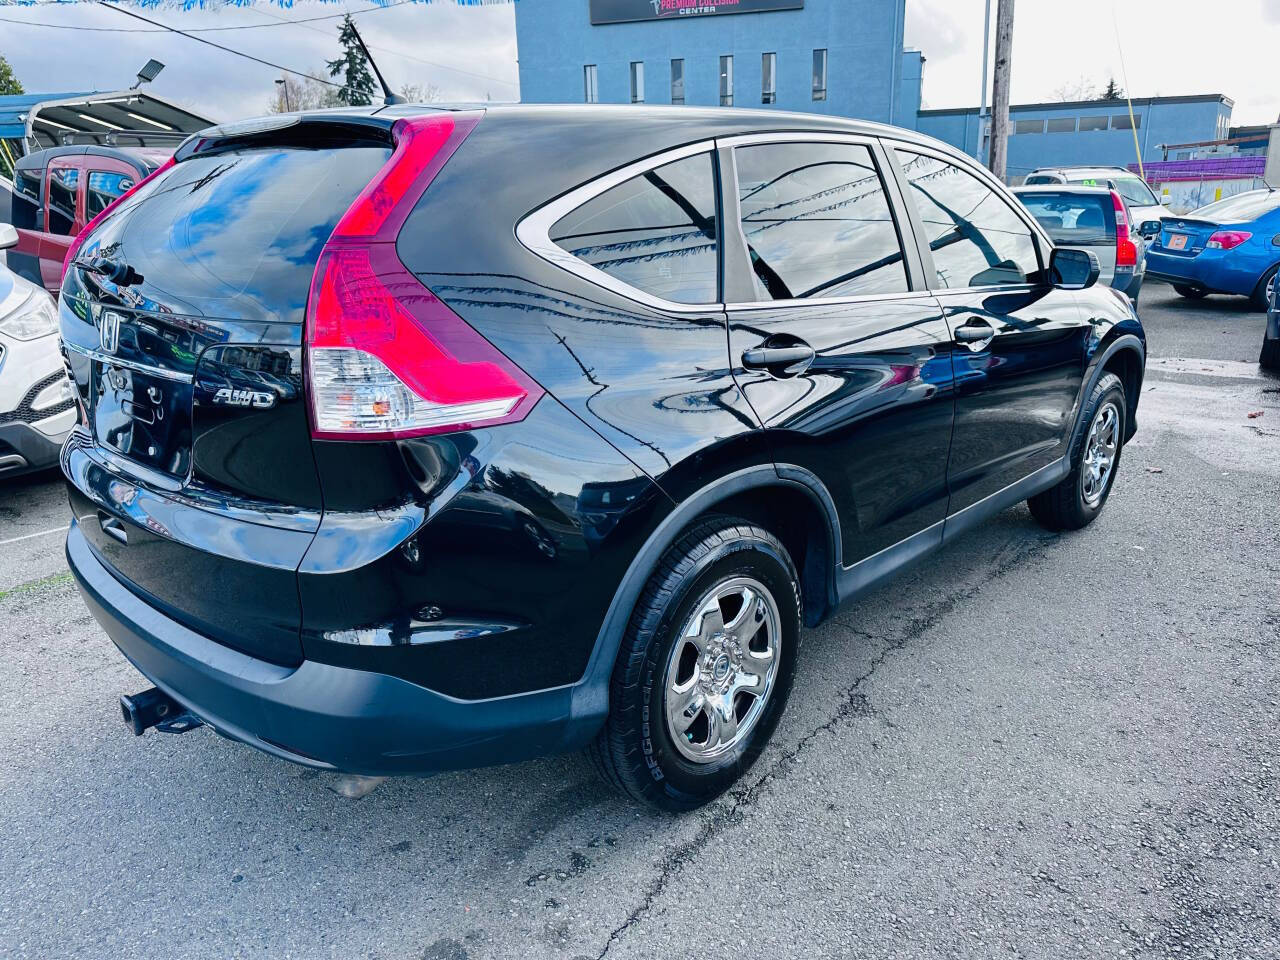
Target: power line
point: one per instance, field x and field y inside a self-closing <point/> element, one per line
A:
<point x="395" y="53"/>
<point x="283" y="22"/>
<point x="217" y="46"/>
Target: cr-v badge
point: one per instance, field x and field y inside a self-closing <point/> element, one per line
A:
<point x="232" y="397"/>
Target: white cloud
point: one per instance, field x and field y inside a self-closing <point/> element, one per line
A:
<point x="1169" y="47"/>
<point x="467" y="52"/>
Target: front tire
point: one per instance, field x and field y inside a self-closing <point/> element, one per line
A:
<point x="1190" y="293"/>
<point x="705" y="666"/>
<point x="1095" y="457"/>
<point x="1269" y="357"/>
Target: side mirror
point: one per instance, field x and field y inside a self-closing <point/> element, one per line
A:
<point x="1150" y="229"/>
<point x="8" y="236"/>
<point x="1073" y="269"/>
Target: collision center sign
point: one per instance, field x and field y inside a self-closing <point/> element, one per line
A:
<point x="626" y="11"/>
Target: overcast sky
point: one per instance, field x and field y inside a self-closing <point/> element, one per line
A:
<point x="1169" y="46"/>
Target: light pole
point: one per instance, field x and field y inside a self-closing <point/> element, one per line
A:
<point x="284" y="86"/>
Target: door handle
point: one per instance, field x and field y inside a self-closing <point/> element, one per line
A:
<point x="974" y="333"/>
<point x="785" y="361"/>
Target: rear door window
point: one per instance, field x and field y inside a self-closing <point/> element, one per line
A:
<point x="1079" y="219"/>
<point x="656" y="232"/>
<point x="817" y="222"/>
<point x="976" y="238"/>
<point x="103" y="187"/>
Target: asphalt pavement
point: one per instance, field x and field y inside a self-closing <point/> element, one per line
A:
<point x="1033" y="745"/>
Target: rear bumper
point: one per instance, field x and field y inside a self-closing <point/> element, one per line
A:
<point x="321" y="715"/>
<point x="1209" y="270"/>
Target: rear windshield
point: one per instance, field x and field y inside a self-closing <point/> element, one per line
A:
<point x="1073" y="218"/>
<point x="1243" y="206"/>
<point x="237" y="234"/>
<point x="1135" y="191"/>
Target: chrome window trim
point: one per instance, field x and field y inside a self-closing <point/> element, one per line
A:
<point x="534" y="229"/>
<point x="113" y="360"/>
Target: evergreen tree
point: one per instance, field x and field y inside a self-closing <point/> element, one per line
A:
<point x="353" y="66"/>
<point x="8" y="82"/>
<point x="1113" y="91"/>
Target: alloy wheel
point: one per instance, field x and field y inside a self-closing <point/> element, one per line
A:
<point x="1100" y="450"/>
<point x="722" y="669"/>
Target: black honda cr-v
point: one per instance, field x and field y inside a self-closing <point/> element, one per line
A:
<point x="415" y="439"/>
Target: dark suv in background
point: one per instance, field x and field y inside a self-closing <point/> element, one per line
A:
<point x="416" y="439"/>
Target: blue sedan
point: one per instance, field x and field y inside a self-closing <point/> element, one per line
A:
<point x="1231" y="246"/>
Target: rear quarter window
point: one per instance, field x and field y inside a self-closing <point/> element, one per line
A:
<point x="656" y="232"/>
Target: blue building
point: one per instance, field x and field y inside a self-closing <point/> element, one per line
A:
<point x="1087" y="132"/>
<point x="840" y="57"/>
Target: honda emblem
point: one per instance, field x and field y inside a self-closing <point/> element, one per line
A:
<point x="109" y="331"/>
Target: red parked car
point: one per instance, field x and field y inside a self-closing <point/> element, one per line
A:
<point x="58" y="190"/>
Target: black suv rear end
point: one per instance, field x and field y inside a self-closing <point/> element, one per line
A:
<point x="414" y="439"/>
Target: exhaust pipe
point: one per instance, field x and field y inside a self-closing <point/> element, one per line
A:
<point x="155" y="708"/>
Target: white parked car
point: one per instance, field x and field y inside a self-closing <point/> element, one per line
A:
<point x="1144" y="206"/>
<point x="37" y="402"/>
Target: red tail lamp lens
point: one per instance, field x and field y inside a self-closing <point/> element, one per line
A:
<point x="1126" y="250"/>
<point x="386" y="357"/>
<point x="1227" y="239"/>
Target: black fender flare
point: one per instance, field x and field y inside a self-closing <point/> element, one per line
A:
<point x="591" y="693"/>
<point x="1097" y="364"/>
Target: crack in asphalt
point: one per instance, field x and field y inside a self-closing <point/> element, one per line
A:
<point x="852" y="704"/>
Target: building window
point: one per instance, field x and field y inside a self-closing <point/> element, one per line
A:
<point x="677" y="81"/>
<point x="1121" y="122"/>
<point x="820" y="74"/>
<point x="726" y="81"/>
<point x="1093" y="123"/>
<point x="1028" y="126"/>
<point x="769" y="78"/>
<point x="1062" y="124"/>
<point x="590" y="86"/>
<point x="637" y="81"/>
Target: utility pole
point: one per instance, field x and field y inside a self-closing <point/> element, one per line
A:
<point x="1000" y="89"/>
<point x="986" y="60"/>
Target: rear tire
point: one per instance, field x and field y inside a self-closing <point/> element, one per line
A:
<point x="1191" y="293"/>
<point x="1269" y="357"/>
<point x="688" y="644"/>
<point x="1095" y="458"/>
<point x="1260" y="299"/>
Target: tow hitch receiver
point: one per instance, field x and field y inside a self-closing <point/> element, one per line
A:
<point x="155" y="708"/>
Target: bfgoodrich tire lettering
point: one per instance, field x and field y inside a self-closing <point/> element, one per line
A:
<point x="1080" y="497"/>
<point x="636" y="750"/>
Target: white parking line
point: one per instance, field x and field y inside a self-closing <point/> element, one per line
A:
<point x="32" y="536"/>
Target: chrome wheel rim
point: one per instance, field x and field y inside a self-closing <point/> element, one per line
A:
<point x="722" y="669"/>
<point x="1100" y="453"/>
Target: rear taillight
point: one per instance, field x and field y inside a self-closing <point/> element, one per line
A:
<point x="1226" y="239"/>
<point x="107" y="211"/>
<point x="1126" y="250"/>
<point x="385" y="357"/>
